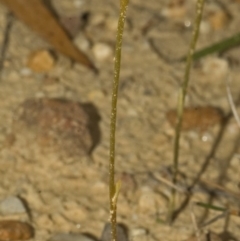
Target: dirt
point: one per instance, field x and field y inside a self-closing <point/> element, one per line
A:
<point x="66" y="194"/>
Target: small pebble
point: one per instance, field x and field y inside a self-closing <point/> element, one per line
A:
<point x="217" y="68"/>
<point x="121" y="233"/>
<point x="12" y="205"/>
<point x="82" y="42"/>
<point x="70" y="237"/>
<point x="197" y="118"/>
<point x="102" y="51"/>
<point x="41" y="61"/>
<point x="11" y="230"/>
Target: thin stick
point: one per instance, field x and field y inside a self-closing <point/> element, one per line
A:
<point x="113" y="188"/>
<point x="182" y="95"/>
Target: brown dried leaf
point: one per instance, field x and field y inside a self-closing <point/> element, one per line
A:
<point x="35" y="14"/>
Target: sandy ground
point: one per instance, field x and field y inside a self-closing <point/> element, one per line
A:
<point x="71" y="194"/>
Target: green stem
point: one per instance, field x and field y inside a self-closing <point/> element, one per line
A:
<point x="117" y="65"/>
<point x="182" y="95"/>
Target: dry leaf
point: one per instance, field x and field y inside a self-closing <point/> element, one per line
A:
<point x="35" y="14"/>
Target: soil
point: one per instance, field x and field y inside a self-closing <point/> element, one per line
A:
<point x="70" y="194"/>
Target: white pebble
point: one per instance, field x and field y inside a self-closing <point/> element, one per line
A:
<point x="82" y="42"/>
<point x="102" y="51"/>
<point x="216" y="67"/>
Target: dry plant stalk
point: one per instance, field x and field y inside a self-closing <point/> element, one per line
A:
<point x="115" y="187"/>
<point x="182" y="95"/>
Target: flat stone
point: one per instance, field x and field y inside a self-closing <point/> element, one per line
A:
<point x="12" y="205"/>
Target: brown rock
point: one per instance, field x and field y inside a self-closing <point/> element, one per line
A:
<point x="41" y="61"/>
<point x="199" y="118"/>
<point x="58" y="126"/>
<point x="15" y="230"/>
